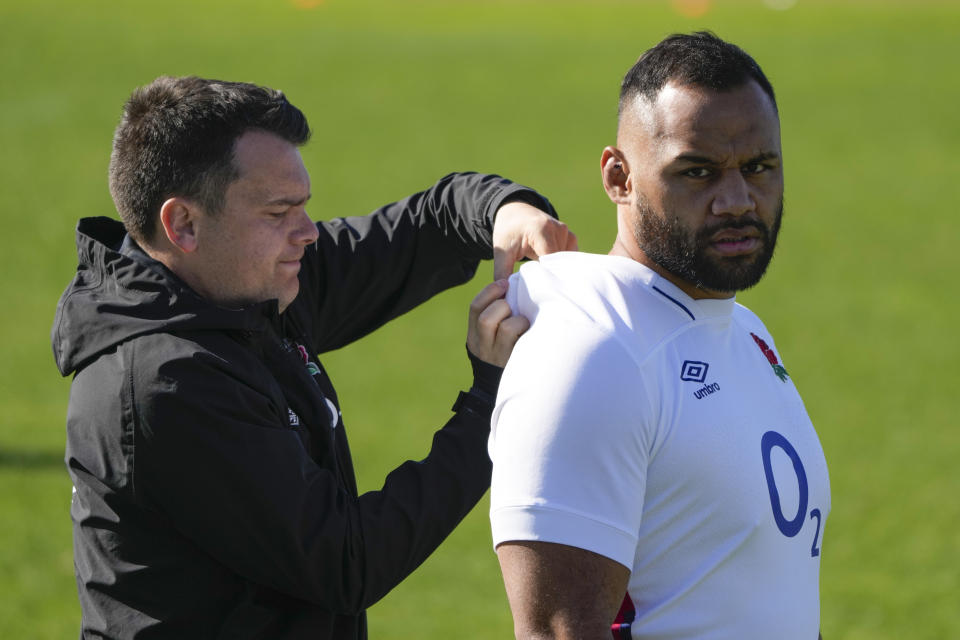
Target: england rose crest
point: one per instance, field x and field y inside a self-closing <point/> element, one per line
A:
<point x="771" y="358"/>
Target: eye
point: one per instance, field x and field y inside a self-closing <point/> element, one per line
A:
<point x="698" y="172"/>
<point x="755" y="167"/>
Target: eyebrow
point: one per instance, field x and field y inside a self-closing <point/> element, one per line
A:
<point x="695" y="159"/>
<point x="290" y="202"/>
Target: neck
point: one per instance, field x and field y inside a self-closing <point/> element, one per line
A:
<point x="628" y="248"/>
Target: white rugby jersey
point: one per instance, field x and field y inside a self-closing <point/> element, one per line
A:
<point x="664" y="433"/>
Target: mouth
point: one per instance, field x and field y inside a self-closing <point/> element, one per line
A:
<point x="736" y="242"/>
<point x="292" y="264"/>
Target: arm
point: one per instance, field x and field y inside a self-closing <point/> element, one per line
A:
<point x="214" y="463"/>
<point x="364" y="271"/>
<point x="561" y="592"/>
<point x="569" y="451"/>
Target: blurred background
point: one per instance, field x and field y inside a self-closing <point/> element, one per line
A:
<point x="862" y="297"/>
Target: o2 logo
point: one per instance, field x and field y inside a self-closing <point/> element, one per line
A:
<point x="790" y="527"/>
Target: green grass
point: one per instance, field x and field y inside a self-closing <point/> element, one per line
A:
<point x="862" y="296"/>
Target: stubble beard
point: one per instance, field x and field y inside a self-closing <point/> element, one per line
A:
<point x="683" y="252"/>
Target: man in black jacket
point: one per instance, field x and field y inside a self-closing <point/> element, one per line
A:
<point x="214" y="491"/>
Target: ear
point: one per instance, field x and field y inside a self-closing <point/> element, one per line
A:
<point x="616" y="175"/>
<point x="178" y="218"/>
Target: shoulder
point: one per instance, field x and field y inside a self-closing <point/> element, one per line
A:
<point x="182" y="356"/>
<point x="592" y="331"/>
<point x="176" y="376"/>
<point x="747" y="318"/>
<point x="589" y="295"/>
<point x="751" y="322"/>
<point x="584" y="279"/>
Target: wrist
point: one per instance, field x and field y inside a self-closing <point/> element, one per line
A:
<point x="486" y="377"/>
<point x="517" y="193"/>
<point x="530" y="197"/>
<point x="474" y="401"/>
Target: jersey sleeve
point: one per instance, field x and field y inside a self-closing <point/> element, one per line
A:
<point x="570" y="438"/>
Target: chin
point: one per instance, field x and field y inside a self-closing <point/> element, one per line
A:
<point x="285" y="301"/>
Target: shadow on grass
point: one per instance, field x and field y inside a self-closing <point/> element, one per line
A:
<point x="30" y="460"/>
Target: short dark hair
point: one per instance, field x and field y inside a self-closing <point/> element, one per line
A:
<point x="176" y="138"/>
<point x="699" y="59"/>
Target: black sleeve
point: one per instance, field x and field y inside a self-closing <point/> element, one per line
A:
<point x="364" y="271"/>
<point x="214" y="460"/>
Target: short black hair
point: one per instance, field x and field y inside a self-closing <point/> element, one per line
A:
<point x="177" y="136"/>
<point x="699" y="59"/>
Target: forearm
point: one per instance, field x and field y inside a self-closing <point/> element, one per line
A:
<point x="365" y="271"/>
<point x="422" y="502"/>
<point x="464" y="206"/>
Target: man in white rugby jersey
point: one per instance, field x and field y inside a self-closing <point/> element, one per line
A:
<point x="655" y="472"/>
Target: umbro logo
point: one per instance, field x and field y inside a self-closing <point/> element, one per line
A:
<point x="696" y="371"/>
<point x="693" y="371"/>
<point x="706" y="390"/>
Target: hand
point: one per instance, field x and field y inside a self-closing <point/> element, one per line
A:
<point x="492" y="329"/>
<point x="521" y="231"/>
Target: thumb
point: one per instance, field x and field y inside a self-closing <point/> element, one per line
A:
<point x="503" y="262"/>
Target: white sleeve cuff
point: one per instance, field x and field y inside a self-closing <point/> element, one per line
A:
<point x="532" y="523"/>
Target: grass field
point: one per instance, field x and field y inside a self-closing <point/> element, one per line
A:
<point x="862" y="296"/>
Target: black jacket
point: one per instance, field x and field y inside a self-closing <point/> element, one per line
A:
<point x="214" y="491"/>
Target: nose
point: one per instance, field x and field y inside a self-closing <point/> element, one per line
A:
<point x="306" y="230"/>
<point x="733" y="197"/>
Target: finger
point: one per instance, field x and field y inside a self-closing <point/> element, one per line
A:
<point x="482" y="300"/>
<point x="555" y="237"/>
<point x="482" y="337"/>
<point x="541" y="245"/>
<point x="478" y="343"/>
<point x="488" y="322"/>
<point x="572" y="244"/>
<point x="510" y="329"/>
<point x="508" y="332"/>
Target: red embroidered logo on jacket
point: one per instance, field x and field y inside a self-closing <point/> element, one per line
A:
<point x="771" y="358"/>
<point x="311" y="368"/>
